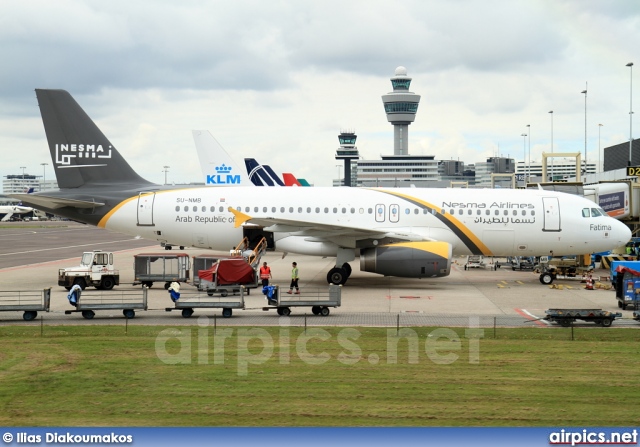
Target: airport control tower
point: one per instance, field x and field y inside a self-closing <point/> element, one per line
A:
<point x="401" y="106"/>
<point x="347" y="152"/>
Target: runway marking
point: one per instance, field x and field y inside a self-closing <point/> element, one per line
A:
<point x="529" y="316"/>
<point x="64" y="248"/>
<point x="500" y="286"/>
<point x="410" y="297"/>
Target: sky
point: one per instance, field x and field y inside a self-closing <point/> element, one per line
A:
<point x="278" y="80"/>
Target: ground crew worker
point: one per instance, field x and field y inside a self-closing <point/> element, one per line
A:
<point x="294" y="279"/>
<point x="265" y="274"/>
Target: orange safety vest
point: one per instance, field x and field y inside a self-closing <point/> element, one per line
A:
<point x="265" y="272"/>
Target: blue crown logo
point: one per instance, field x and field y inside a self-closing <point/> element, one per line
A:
<point x="222" y="169"/>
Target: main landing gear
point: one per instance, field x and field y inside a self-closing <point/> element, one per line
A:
<point x="339" y="275"/>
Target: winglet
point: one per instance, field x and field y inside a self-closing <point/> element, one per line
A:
<point x="240" y="217"/>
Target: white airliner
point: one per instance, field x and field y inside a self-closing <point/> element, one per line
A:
<point x="7" y="211"/>
<point x="411" y="232"/>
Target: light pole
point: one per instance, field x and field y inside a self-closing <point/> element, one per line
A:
<point x="44" y="175"/>
<point x="585" y="127"/>
<point x="630" y="65"/>
<point x="166" y="169"/>
<point x="529" y="163"/>
<point x="23" y="168"/>
<point x="599" y="166"/>
<point x="551" y="112"/>
<point x="524" y="155"/>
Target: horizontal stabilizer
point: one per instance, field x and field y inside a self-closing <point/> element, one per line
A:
<point x="38" y="200"/>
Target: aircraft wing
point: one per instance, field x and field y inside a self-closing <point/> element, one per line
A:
<point x="38" y="200"/>
<point x="342" y="235"/>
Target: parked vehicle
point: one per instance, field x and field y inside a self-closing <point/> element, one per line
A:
<point x="96" y="269"/>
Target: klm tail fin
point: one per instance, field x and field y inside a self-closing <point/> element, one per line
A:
<point x="81" y="154"/>
<point x="261" y="175"/>
<point x="218" y="168"/>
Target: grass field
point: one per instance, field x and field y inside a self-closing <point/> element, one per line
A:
<point x="98" y="375"/>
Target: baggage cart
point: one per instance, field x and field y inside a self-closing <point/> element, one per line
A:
<point x="228" y="276"/>
<point x="128" y="301"/>
<point x="320" y="300"/>
<point x="201" y="300"/>
<point x="565" y="317"/>
<point x="202" y="262"/>
<point x="160" y="267"/>
<point x="636" y="315"/>
<point x="27" y="301"/>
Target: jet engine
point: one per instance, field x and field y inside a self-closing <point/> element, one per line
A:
<point x="408" y="259"/>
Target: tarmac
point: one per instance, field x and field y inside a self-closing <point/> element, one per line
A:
<point x="32" y="252"/>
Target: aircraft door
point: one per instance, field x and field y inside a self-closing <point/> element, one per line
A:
<point x="380" y="212"/>
<point x="145" y="208"/>
<point x="551" y="214"/>
<point x="394" y="213"/>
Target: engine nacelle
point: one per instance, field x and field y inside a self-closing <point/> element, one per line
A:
<point x="408" y="259"/>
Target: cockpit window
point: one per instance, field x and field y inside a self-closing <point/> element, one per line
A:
<point x="595" y="212"/>
<point x="586" y="212"/>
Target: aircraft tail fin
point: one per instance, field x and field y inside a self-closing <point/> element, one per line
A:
<point x="81" y="154"/>
<point x="304" y="182"/>
<point x="218" y="168"/>
<point x="261" y="175"/>
<point x="290" y="179"/>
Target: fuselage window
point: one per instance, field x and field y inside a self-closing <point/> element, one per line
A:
<point x="353" y="210"/>
<point x="195" y="209"/>
<point x="487" y="212"/>
<point x="178" y="208"/>
<point x="326" y="210"/>
<point x="212" y="209"/>
<point x="505" y="212"/>
<point x="221" y="209"/>
<point x="533" y="212"/>
<point x="247" y="209"/>
<point x="452" y="211"/>
<point x="478" y="212"/>
<point x="317" y="210"/>
<point x="308" y="210"/>
<point x="460" y="211"/>
<point x="425" y="211"/>
<point x="361" y="210"/>
<point x="204" y="209"/>
<point x="515" y="212"/>
<point x="497" y="212"/>
<point x="255" y="209"/>
<point x="585" y="212"/>
<point x="186" y="208"/>
<point x="416" y="211"/>
<point x="282" y="209"/>
<point x="524" y="212"/>
<point x="370" y="210"/>
<point x="335" y="210"/>
<point x="264" y="209"/>
<point x="407" y="210"/>
<point x="470" y="212"/>
<point x="344" y="210"/>
<point x="273" y="209"/>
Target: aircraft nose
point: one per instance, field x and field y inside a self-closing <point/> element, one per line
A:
<point x="622" y="232"/>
